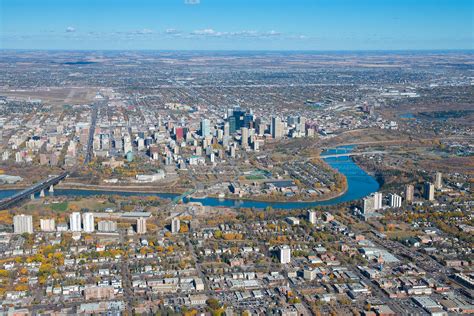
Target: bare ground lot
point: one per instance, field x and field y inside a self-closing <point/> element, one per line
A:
<point x="54" y="96"/>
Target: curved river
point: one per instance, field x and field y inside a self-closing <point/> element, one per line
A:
<point x="359" y="183"/>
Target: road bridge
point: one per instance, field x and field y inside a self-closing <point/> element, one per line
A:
<point x="39" y="187"/>
<point x="347" y="154"/>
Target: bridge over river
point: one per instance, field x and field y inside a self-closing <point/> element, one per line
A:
<point x="39" y="187"/>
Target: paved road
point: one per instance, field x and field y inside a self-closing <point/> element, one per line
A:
<point x="90" y="141"/>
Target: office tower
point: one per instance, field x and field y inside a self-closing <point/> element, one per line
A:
<point x="107" y="226"/>
<point x="409" y="193"/>
<point x="291" y="120"/>
<point x="23" y="224"/>
<point x="175" y="225"/>
<point x="220" y="134"/>
<point x="395" y="200"/>
<point x="47" y="225"/>
<point x="230" y="112"/>
<point x="141" y="225"/>
<point x="238" y="114"/>
<point x="127" y="144"/>
<point x="205" y="128"/>
<point x="438" y="180"/>
<point x="88" y="222"/>
<point x="141" y="144"/>
<point x="276" y="128"/>
<point x="248" y="120"/>
<point x="245" y="137"/>
<point x="75" y="222"/>
<point x="179" y="134"/>
<point x="428" y="191"/>
<point x="261" y="128"/>
<point x="311" y="216"/>
<point x="232" y="125"/>
<point x="301" y="126"/>
<point x="284" y="254"/>
<point x="226" y="129"/>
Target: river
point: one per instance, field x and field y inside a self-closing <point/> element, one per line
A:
<point x="359" y="183"/>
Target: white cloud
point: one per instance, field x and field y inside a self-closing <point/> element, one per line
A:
<point x="207" y="32"/>
<point x="192" y="2"/>
<point x="70" y="29"/>
<point x="172" y="31"/>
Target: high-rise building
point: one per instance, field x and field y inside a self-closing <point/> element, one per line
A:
<point x="107" y="226"/>
<point x="232" y="125"/>
<point x="88" y="222"/>
<point x="248" y="120"/>
<point x="311" y="216"/>
<point x="245" y="137"/>
<point x="378" y="200"/>
<point x="175" y="225"/>
<point x="205" y="128"/>
<point x="428" y="191"/>
<point x="395" y="200"/>
<point x="179" y="134"/>
<point x="438" y="180"/>
<point x="75" y="221"/>
<point x="276" y="128"/>
<point x="284" y="254"/>
<point x="409" y="193"/>
<point x="301" y="126"/>
<point x="226" y="129"/>
<point x="372" y="203"/>
<point x="238" y="114"/>
<point x="23" y="224"/>
<point x="47" y="225"/>
<point x="141" y="225"/>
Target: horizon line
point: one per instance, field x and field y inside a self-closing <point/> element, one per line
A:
<point x="243" y="50"/>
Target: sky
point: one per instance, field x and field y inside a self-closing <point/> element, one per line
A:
<point x="237" y="24"/>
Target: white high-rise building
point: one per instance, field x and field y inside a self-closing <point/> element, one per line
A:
<point x="372" y="203"/>
<point x="311" y="216"/>
<point x="75" y="222"/>
<point x="226" y="129"/>
<point x="175" y="225"/>
<point x="438" y="181"/>
<point x="205" y="128"/>
<point x="245" y="137"/>
<point x="23" y="224"/>
<point x="88" y="222"/>
<point x="141" y="225"/>
<point x="377" y="200"/>
<point x="284" y="254"/>
<point x="47" y="225"/>
<point x="276" y="127"/>
<point x="395" y="200"/>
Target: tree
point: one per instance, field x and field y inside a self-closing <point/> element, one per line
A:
<point x="213" y="303"/>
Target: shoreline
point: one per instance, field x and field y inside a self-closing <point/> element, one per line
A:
<point x="151" y="190"/>
<point x="278" y="201"/>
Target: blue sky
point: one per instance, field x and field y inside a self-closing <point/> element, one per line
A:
<point x="237" y="24"/>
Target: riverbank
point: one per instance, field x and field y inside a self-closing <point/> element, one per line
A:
<point x="359" y="185"/>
